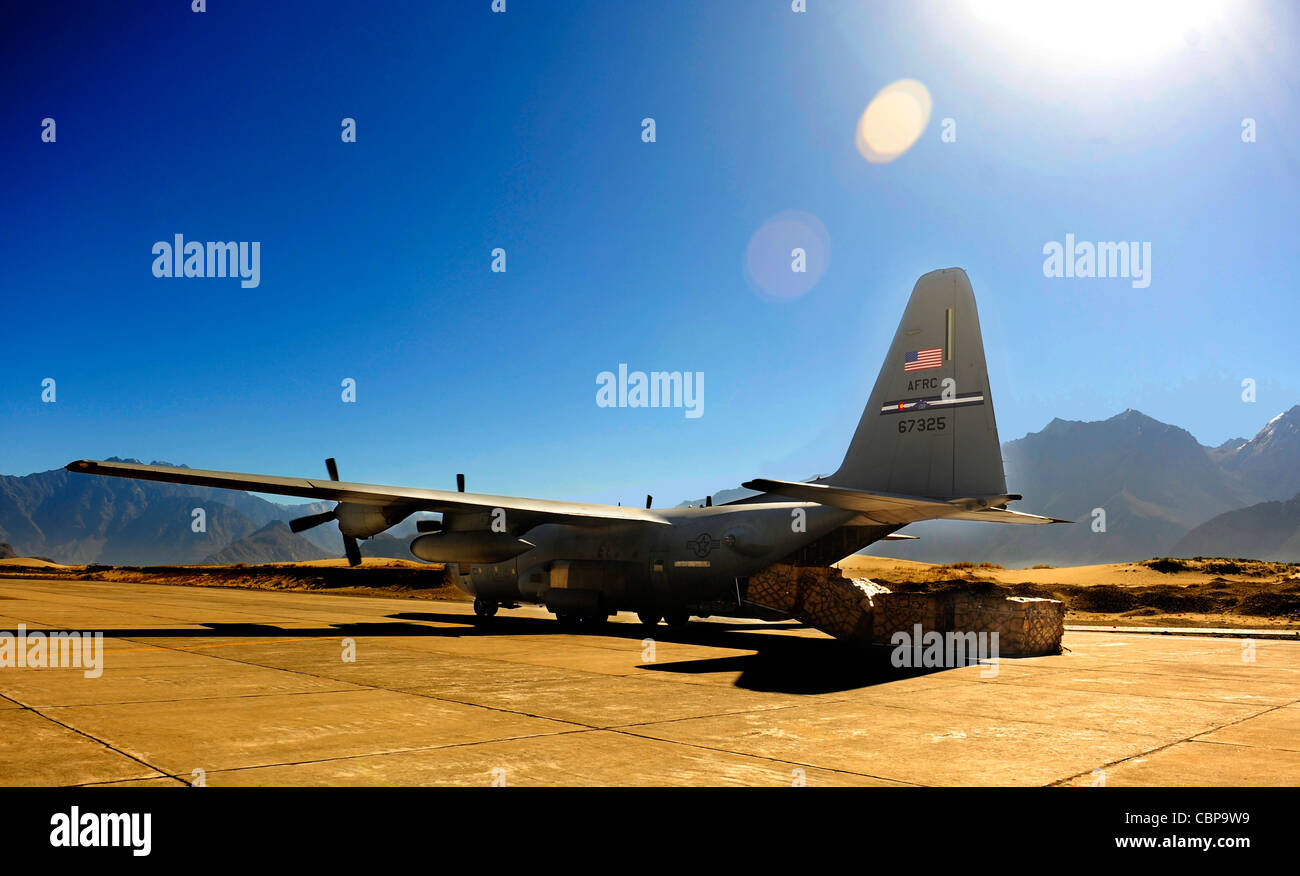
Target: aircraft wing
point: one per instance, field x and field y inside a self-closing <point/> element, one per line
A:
<point x="898" y="508"/>
<point x="522" y="513"/>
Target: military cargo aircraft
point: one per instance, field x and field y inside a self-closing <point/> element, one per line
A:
<point x="926" y="448"/>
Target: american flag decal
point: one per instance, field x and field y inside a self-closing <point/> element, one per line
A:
<point x="920" y="360"/>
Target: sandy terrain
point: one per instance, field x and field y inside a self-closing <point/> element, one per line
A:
<point x="32" y="562"/>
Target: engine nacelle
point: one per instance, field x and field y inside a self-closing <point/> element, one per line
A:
<point x="361" y="521"/>
<point x="474" y="546"/>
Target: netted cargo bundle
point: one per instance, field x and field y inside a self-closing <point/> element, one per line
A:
<point x="776" y="587"/>
<point x="1041" y="628"/>
<point x="861" y="610"/>
<point x="817" y="595"/>
<point x="834" y="604"/>
<point x="904" y="611"/>
<point x="1025" y="625"/>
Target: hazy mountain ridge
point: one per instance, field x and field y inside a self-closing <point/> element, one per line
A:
<point x="1154" y="482"/>
<point x="392" y="545"/>
<point x="74" y="518"/>
<point x="273" y="543"/>
<point x="1269" y="463"/>
<point x="1266" y="531"/>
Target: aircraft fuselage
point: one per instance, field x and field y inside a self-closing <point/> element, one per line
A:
<point x="698" y="557"/>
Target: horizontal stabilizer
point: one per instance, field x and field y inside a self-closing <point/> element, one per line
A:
<point x="895" y="508"/>
<point x="1002" y="515"/>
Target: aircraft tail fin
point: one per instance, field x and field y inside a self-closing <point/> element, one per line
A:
<point x="928" y="429"/>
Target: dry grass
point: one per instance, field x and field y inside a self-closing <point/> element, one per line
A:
<point x="374" y="577"/>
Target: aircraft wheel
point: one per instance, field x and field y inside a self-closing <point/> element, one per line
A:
<point x="649" y="618"/>
<point x="567" y="621"/>
<point x="677" y="618"/>
<point x="595" y="620"/>
<point x="485" y="607"/>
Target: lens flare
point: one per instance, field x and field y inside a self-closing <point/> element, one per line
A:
<point x="893" y="121"/>
<point x="787" y="255"/>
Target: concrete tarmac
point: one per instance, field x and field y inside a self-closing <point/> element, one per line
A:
<point x="238" y="687"/>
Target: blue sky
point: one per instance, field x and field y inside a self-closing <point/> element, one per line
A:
<point x="523" y="131"/>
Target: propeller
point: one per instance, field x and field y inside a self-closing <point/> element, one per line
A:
<point x="300" y="524"/>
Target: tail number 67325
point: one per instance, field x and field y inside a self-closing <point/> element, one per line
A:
<point x="923" y="424"/>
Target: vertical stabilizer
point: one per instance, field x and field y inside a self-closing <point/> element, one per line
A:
<point x="928" y="429"/>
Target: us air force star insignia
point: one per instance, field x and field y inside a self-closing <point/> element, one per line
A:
<point x="702" y="545"/>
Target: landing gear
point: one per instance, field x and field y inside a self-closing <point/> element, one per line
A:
<point x="485" y="608"/>
<point x="567" y="621"/>
<point x="677" y="619"/>
<point x="649" y="618"/>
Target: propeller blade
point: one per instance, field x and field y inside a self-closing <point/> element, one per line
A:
<point x="299" y="524"/>
<point x="350" y="546"/>
<point x="352" y="549"/>
<point x="460" y="483"/>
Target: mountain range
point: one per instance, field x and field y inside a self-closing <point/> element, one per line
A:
<point x="1135" y="486"/>
<point x="1266" y="531"/>
<point x="73" y="518"/>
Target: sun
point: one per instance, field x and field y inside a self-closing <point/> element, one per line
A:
<point x="1099" y="32"/>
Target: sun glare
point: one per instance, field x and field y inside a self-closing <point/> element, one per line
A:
<point x="1101" y="32"/>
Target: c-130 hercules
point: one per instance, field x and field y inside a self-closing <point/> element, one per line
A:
<point x="926" y="448"/>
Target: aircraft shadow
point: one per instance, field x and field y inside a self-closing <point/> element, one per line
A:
<point x="780" y="664"/>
